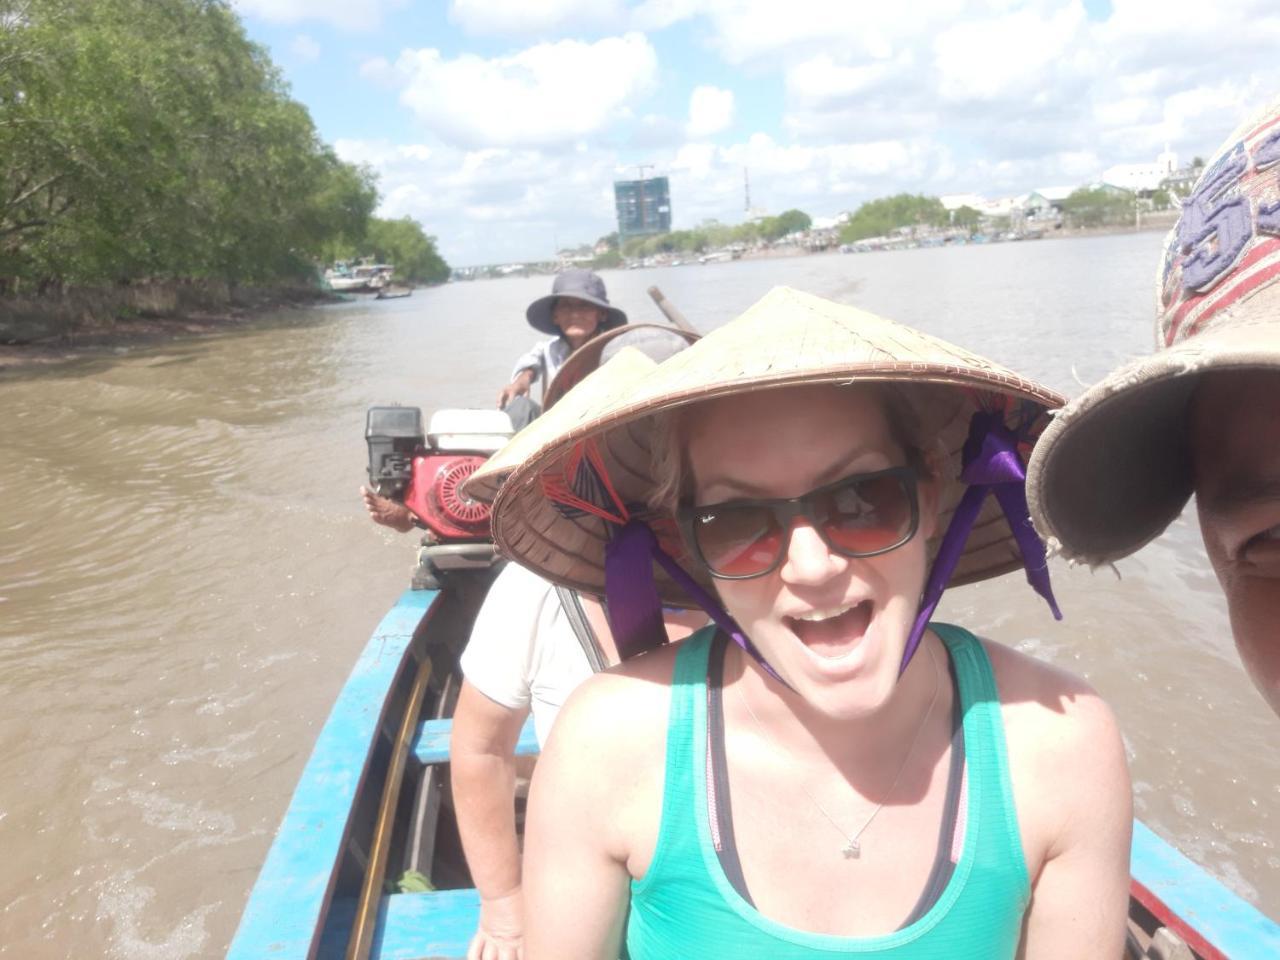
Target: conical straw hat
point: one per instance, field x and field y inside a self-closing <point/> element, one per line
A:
<point x="602" y="389"/>
<point x="656" y="340"/>
<point x="788" y="338"/>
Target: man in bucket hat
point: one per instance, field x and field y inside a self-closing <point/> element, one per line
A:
<point x="1201" y="415"/>
<point x="576" y="310"/>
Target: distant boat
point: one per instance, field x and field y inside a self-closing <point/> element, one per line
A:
<point x="364" y="278"/>
<point x="393" y="293"/>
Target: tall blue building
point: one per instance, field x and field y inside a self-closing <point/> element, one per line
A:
<point x="644" y="207"/>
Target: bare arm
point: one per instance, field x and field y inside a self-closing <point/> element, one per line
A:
<point x="482" y="751"/>
<point x="518" y="387"/>
<point x="1080" y="777"/>
<point x="576" y="877"/>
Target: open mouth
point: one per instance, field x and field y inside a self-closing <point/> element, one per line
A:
<point x="832" y="634"/>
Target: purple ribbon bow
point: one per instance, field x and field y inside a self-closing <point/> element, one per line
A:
<point x="635" y="611"/>
<point x="991" y="465"/>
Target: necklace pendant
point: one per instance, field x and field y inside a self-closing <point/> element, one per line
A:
<point x="852" y="851"/>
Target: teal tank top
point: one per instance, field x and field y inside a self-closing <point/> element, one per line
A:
<point x="686" y="907"/>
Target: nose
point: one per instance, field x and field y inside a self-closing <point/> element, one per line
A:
<point x="808" y="559"/>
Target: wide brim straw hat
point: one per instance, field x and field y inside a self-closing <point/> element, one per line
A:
<point x="786" y="339"/>
<point x="602" y="389"/>
<point x="1114" y="468"/>
<point x="656" y="340"/>
<point x="576" y="284"/>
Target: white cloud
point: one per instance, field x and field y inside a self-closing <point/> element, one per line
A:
<point x="305" y="48"/>
<point x="936" y="96"/>
<point x="363" y="16"/>
<point x="710" y="111"/>
<point x="1007" y="56"/>
<point x="552" y="93"/>
<point x="534" y="16"/>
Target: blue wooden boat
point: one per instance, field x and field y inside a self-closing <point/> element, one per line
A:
<point x="373" y="804"/>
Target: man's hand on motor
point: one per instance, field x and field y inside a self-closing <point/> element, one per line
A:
<point x="516" y="388"/>
<point x="387" y="512"/>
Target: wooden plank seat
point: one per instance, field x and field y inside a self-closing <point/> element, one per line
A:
<point x="431" y="744"/>
<point x="416" y="926"/>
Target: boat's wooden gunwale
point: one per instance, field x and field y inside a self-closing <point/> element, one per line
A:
<point x="287" y="908"/>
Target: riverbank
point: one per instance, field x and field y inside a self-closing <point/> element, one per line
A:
<point x="36" y="331"/>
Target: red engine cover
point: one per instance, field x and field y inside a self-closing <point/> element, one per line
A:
<point x="434" y="496"/>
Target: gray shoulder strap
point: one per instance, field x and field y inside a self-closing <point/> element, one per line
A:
<point x="581" y="628"/>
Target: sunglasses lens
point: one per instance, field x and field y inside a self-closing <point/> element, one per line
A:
<point x="737" y="541"/>
<point x="866" y="515"/>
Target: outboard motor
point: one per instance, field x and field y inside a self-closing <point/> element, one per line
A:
<point x="425" y="472"/>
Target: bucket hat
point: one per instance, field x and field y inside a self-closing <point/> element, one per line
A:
<point x="1114" y="468"/>
<point x="577" y="284"/>
<point x="567" y="508"/>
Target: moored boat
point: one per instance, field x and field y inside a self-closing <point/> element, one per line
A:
<point x="362" y="278"/>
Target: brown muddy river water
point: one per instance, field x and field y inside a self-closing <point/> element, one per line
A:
<point x="186" y="576"/>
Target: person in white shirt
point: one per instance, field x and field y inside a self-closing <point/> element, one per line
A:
<point x="532" y="644"/>
<point x="576" y="310"/>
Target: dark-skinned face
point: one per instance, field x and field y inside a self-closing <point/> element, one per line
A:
<point x="1235" y="435"/>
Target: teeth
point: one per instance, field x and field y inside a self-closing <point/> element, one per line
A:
<point x="818" y="615"/>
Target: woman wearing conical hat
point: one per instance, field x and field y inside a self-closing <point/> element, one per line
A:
<point x="824" y="771"/>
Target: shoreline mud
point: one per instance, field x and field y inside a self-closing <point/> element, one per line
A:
<point x="60" y="330"/>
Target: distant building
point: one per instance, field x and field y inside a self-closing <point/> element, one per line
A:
<point x="644" y="207"/>
<point x="1142" y="177"/>
<point x="955" y="201"/>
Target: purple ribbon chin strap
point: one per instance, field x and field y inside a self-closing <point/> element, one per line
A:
<point x="635" y="610"/>
<point x="991" y="465"/>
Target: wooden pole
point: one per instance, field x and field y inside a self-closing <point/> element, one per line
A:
<point x="669" y="310"/>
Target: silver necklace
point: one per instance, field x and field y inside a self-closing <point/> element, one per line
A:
<point x="853" y="848"/>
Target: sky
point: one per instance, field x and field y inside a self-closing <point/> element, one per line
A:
<point x="500" y="125"/>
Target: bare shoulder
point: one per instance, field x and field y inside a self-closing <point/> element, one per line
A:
<point x="1058" y="709"/>
<point x="605" y="757"/>
<point x="1066" y="755"/>
<point x="618" y="718"/>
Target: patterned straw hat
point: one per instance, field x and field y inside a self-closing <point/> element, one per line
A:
<point x="563" y="510"/>
<point x="627" y="352"/>
<point x="1114" y="468"/>
<point x="601" y="389"/>
<point x="657" y="341"/>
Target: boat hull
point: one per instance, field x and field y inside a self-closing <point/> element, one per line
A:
<point x="307" y="900"/>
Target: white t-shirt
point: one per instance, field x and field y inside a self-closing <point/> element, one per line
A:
<point x="523" y="651"/>
<point x="546" y="357"/>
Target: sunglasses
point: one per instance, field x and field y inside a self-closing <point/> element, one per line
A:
<point x="863" y="515"/>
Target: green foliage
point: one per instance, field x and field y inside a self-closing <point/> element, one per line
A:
<point x="713" y="235"/>
<point x="966" y="217"/>
<point x="405" y="244"/>
<point x="791" y="221"/>
<point x="151" y="138"/>
<point x="879" y="218"/>
<point x="1161" y="200"/>
<point x="1098" y="206"/>
<point x="606" y="260"/>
